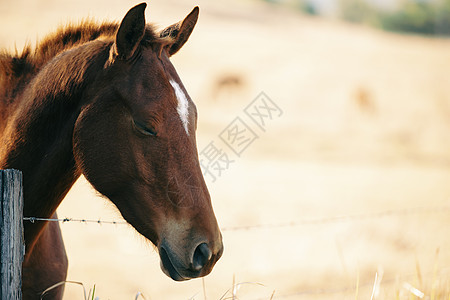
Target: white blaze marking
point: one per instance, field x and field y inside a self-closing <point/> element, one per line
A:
<point x="183" y="105"/>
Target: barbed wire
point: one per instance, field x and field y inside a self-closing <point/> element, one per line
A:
<point x="66" y="220"/>
<point x="296" y="223"/>
<point x="405" y="212"/>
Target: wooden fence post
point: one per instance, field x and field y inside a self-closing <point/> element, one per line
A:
<point x="12" y="247"/>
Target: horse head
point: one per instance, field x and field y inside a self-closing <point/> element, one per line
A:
<point x="134" y="141"/>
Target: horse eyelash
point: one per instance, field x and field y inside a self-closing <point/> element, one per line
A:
<point x="144" y="130"/>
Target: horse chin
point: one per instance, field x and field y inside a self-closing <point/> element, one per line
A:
<point x="168" y="267"/>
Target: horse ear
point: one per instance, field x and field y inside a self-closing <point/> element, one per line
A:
<point x="180" y="31"/>
<point x="131" y="31"/>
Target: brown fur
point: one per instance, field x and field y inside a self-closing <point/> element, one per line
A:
<point x="67" y="108"/>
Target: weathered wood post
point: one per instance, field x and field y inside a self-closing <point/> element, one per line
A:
<point x="12" y="247"/>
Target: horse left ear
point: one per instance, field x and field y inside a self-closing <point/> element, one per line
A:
<point x="180" y="32"/>
<point x="131" y="31"/>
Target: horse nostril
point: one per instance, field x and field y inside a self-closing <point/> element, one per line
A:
<point x="202" y="255"/>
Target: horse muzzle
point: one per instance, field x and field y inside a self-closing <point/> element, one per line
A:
<point x="198" y="263"/>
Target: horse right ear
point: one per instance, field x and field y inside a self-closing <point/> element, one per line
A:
<point x="131" y="32"/>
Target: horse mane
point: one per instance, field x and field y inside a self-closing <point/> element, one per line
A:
<point x="15" y="66"/>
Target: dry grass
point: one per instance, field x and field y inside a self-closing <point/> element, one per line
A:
<point x="435" y="288"/>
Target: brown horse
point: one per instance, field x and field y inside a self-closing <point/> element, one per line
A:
<point x="106" y="102"/>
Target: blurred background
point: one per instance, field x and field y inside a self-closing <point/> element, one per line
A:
<point x="343" y="193"/>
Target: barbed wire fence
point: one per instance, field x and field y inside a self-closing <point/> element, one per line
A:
<point x="317" y="221"/>
<point x="294" y="223"/>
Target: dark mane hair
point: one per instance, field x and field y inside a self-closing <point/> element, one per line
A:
<point x="14" y="66"/>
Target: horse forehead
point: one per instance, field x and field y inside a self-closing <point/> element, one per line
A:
<point x="183" y="104"/>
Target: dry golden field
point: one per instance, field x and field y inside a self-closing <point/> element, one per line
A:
<point x="364" y="129"/>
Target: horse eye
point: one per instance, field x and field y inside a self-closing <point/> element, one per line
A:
<point x="144" y="130"/>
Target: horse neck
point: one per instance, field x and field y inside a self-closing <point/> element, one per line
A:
<point x="38" y="136"/>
